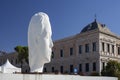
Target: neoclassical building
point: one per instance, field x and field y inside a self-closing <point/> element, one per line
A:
<point x="87" y="51"/>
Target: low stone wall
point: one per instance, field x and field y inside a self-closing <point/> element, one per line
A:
<point x="50" y="77"/>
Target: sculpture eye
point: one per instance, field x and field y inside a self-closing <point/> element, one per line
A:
<point x="46" y="34"/>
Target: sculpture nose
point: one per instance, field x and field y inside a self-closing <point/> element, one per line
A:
<point x="51" y="43"/>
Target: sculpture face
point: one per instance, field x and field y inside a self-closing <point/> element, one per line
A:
<point x="39" y="41"/>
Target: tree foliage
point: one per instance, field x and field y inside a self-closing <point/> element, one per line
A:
<point x="22" y="53"/>
<point x="112" y="69"/>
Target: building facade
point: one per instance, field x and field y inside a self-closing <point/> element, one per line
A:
<point x="88" y="52"/>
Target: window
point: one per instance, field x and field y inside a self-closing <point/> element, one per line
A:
<point x="103" y="46"/>
<point x="71" y="68"/>
<point x="80" y="49"/>
<point x="103" y="65"/>
<point x="112" y="48"/>
<point x="61" y="53"/>
<point x="94" y="46"/>
<point x="94" y="66"/>
<point x="71" y="51"/>
<point x="1" y="61"/>
<point x="53" y="70"/>
<point x="108" y="47"/>
<point x="61" y="69"/>
<point x="86" y="48"/>
<point x="52" y="56"/>
<point x="118" y="50"/>
<point x="80" y="67"/>
<point x="11" y="61"/>
<point x="16" y="61"/>
<point x="87" y="67"/>
<point x="45" y="70"/>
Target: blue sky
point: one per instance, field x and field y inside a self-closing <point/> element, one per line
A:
<point x="67" y="18"/>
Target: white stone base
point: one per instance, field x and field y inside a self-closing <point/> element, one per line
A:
<point x="50" y="77"/>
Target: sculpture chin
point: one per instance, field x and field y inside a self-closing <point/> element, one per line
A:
<point x="48" y="58"/>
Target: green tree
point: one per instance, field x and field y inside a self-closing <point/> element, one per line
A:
<point x="25" y="51"/>
<point x="112" y="69"/>
<point x="22" y="53"/>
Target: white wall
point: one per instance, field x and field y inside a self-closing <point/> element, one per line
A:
<point x="50" y="77"/>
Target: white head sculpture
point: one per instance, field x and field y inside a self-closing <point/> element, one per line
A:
<point x="39" y="41"/>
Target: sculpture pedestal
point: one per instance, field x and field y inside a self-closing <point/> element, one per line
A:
<point x="50" y="77"/>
